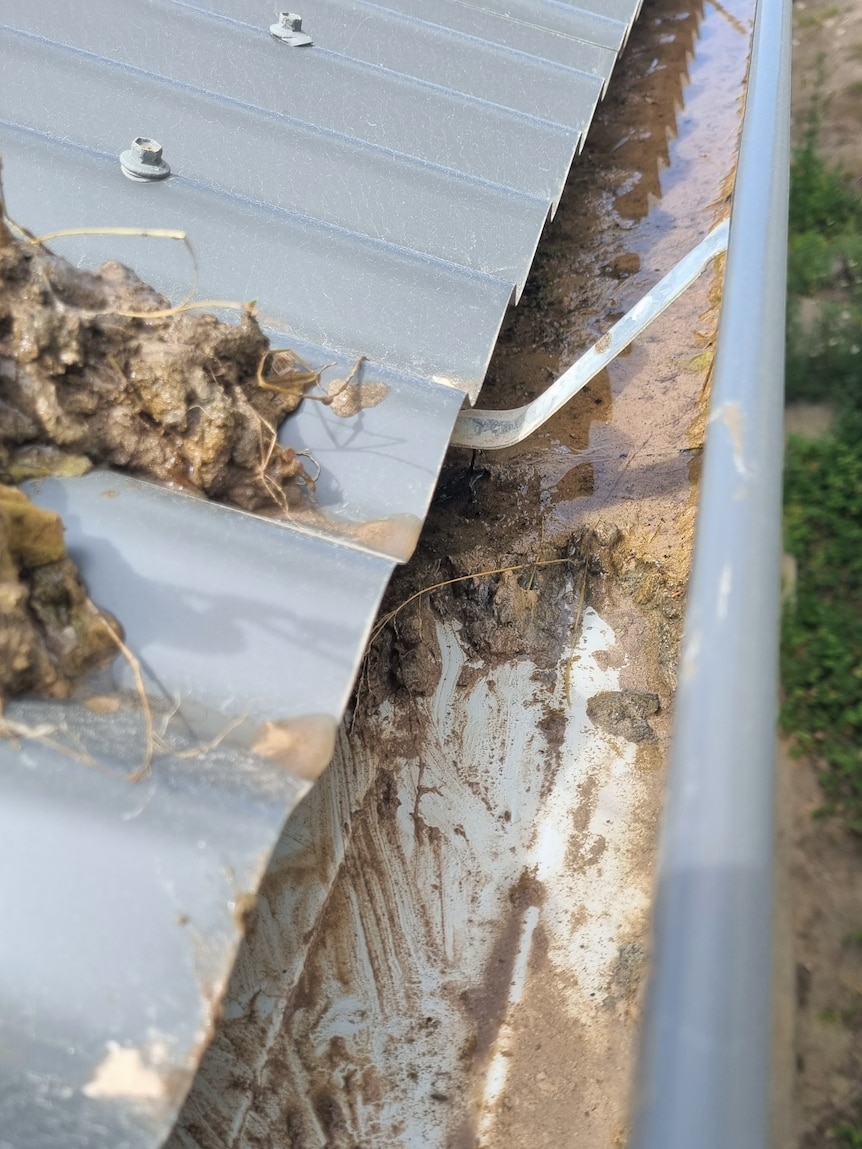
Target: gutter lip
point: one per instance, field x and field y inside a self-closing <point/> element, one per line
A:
<point x="703" y="1076"/>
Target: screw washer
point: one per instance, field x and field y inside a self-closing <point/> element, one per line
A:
<point x="289" y="30"/>
<point x="143" y="161"/>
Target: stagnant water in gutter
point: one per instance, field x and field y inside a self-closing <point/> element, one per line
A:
<point x="450" y="945"/>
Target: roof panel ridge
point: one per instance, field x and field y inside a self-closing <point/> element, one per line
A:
<point x="624" y="4"/>
<point x="527" y="118"/>
<point x="560" y="6"/>
<point x="489" y="45"/>
<point x="354" y="238"/>
<point x="267" y="113"/>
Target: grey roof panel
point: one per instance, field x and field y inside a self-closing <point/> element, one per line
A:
<point x="379" y="194"/>
<point x="211" y="615"/>
<point x="328" y="288"/>
<point x="588" y="51"/>
<point x="445" y="58"/>
<point x="236" y="61"/>
<point x="384" y="461"/>
<point x="598" y="25"/>
<point x="138" y="885"/>
<point x="622" y="10"/>
<point x="131" y="900"/>
<point x="279" y="162"/>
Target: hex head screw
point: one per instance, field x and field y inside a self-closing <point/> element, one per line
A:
<point x="143" y="161"/>
<point x="289" y="30"/>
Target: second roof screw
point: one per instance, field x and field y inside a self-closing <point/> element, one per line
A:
<point x="143" y="160"/>
<point x="289" y="30"/>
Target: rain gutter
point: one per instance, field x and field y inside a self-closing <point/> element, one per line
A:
<point x="704" y="1071"/>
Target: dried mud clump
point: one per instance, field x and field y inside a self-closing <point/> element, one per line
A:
<point x="179" y="397"/>
<point x="96" y="368"/>
<point x="624" y="713"/>
<point x="50" y="632"/>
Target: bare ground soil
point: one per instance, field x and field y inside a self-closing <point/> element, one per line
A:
<point x="822" y="879"/>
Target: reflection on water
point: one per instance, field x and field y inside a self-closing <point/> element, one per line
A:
<point x="645" y="145"/>
<point x="668" y="123"/>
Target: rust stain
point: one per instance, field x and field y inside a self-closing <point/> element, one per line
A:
<point x="304" y="746"/>
<point x="732" y="417"/>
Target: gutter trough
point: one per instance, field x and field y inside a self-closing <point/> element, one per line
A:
<point x="705" y="1065"/>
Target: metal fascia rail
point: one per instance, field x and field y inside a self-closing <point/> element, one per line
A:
<point x="492" y="430"/>
<point x="704" y="1072"/>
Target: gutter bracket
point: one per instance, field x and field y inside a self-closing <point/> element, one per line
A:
<point x="492" y="430"/>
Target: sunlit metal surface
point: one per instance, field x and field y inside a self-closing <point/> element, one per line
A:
<point x="705" y="1073"/>
<point x="380" y="193"/>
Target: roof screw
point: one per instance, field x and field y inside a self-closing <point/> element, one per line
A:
<point x="143" y="161"/>
<point x="289" y="30"/>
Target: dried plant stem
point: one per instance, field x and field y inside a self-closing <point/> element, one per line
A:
<point x="187" y="304"/>
<point x="388" y="617"/>
<point x="145" y="767"/>
<point x="43" y="734"/>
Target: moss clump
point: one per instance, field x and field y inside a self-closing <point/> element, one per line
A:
<point x="50" y="632"/>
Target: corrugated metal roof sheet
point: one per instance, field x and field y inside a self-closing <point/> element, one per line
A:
<point x="382" y="194"/>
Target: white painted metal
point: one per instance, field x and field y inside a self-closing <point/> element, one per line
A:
<point x="392" y="909"/>
<point x="492" y="430"/>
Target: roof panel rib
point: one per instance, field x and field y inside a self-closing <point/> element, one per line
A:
<point x="403" y="310"/>
<point x="285" y="165"/>
<point x="590" y="45"/>
<point x="424" y="51"/>
<point x="595" y="25"/>
<point x="331" y="93"/>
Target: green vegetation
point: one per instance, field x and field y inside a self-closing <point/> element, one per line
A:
<point x="822" y="630"/>
<point x="847" y="1136"/>
<point x="821" y="657"/>
<point x="818" y="19"/>
<point x="822" y="627"/>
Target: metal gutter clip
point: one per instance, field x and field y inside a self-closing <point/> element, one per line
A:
<point x="491" y="430"/>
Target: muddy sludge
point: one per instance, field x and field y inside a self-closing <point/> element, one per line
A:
<point x="452" y="939"/>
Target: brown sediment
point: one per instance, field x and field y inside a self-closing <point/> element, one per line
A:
<point x="610" y="482"/>
<point x="183" y="397"/>
<point x="608" y="486"/>
<point x="624" y="713"/>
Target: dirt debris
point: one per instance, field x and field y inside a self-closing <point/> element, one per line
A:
<point x="179" y="398"/>
<point x="87" y="378"/>
<point x="624" y="713"/>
